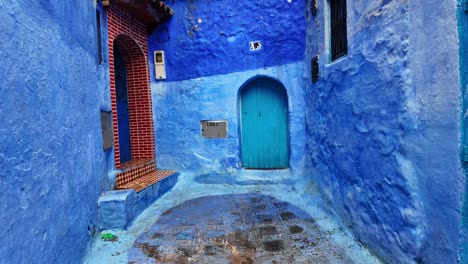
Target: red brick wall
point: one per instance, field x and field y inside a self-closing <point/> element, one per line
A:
<point x="130" y="37"/>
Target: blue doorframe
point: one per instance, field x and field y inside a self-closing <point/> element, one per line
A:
<point x="462" y="16"/>
<point x="264" y="125"/>
<point x="122" y="106"/>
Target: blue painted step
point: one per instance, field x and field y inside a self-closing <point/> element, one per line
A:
<point x="118" y="208"/>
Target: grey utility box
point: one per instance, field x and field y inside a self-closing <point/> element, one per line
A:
<point x="214" y="128"/>
<point x="107" y="133"/>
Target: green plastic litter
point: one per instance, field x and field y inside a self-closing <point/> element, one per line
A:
<point x="109" y="237"/>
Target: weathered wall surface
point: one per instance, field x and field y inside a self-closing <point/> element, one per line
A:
<point x="179" y="107"/>
<point x="209" y="37"/>
<point x="51" y="147"/>
<point x="383" y="122"/>
<point x="208" y="59"/>
<point x="432" y="142"/>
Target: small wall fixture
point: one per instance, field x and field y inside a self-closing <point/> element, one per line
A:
<point x="160" y="65"/>
<point x="255" y="45"/>
<point x="106" y="128"/>
<point x="214" y="128"/>
<point x="314" y="69"/>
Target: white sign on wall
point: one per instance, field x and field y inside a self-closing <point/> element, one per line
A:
<point x="214" y="128"/>
<point x="255" y="45"/>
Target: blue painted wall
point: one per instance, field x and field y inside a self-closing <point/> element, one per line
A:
<point x="383" y="138"/>
<point x="178" y="108"/>
<point x="383" y="127"/>
<point x="53" y="165"/>
<point x="208" y="59"/>
<point x="463" y="35"/>
<point x="211" y="37"/>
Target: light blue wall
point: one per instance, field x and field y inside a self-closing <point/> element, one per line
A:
<point x="179" y="107"/>
<point x="211" y="37"/>
<point x="53" y="165"/>
<point x="383" y="139"/>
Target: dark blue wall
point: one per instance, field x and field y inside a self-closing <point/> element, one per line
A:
<point x="383" y="139"/>
<point x="211" y="37"/>
<point x="51" y="148"/>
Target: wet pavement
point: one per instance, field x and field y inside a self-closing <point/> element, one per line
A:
<point x="236" y="228"/>
<point x="260" y="217"/>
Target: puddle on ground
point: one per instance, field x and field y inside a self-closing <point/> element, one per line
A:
<point x="295" y="229"/>
<point x="273" y="246"/>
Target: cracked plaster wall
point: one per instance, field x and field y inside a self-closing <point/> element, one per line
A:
<point x="211" y="37"/>
<point x="51" y="146"/>
<point x="383" y="127"/>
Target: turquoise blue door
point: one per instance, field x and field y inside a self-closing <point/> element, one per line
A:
<point x="264" y="125"/>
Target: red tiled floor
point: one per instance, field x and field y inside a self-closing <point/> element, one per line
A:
<point x="134" y="163"/>
<point x="144" y="181"/>
<point x="134" y="170"/>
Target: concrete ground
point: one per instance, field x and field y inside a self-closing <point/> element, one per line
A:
<point x="248" y="220"/>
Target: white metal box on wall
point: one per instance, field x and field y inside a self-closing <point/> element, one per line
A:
<point x="214" y="128"/>
<point x="160" y="65"/>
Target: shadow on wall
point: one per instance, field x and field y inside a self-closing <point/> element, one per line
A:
<point x="230" y="179"/>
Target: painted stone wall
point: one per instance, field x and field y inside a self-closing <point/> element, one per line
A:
<point x="208" y="59"/>
<point x="383" y="127"/>
<point x="179" y="107"/>
<point x="53" y="165"/>
<point x="207" y="37"/>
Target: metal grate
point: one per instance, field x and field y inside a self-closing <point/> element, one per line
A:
<point x="339" y="40"/>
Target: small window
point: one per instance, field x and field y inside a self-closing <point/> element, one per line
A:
<point x="314" y="67"/>
<point x="339" y="39"/>
<point x="98" y="33"/>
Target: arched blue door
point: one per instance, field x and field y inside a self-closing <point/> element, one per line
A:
<point x="264" y="131"/>
<point x="122" y="106"/>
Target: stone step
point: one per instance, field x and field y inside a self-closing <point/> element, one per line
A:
<point x="142" y="182"/>
<point x="118" y="208"/>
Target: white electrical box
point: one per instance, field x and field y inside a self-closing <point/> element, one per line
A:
<point x="160" y="65"/>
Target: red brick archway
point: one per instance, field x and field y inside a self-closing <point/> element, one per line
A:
<point x="130" y="37"/>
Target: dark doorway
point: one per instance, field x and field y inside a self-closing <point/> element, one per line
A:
<point x="122" y="106"/>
